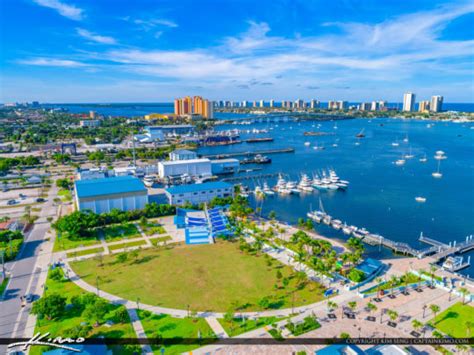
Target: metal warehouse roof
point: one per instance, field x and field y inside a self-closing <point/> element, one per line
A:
<point x="181" y="189"/>
<point x="184" y="162"/>
<point x="108" y="186"/>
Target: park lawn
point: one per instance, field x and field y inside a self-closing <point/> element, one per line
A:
<point x="65" y="195"/>
<point x="238" y="326"/>
<point x="85" y="252"/>
<point x="120" y="231"/>
<point x="127" y="245"/>
<point x="167" y="327"/>
<point x="453" y="320"/>
<point x="216" y="277"/>
<point x="159" y="240"/>
<point x="71" y="318"/>
<point x="64" y="243"/>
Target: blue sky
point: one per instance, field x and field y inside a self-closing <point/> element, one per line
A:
<point x="155" y="50"/>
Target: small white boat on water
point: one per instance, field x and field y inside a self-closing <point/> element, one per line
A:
<point x="307" y="144"/>
<point x="437" y="174"/>
<point x="400" y="162"/>
<point x="424" y="159"/>
<point x="267" y="190"/>
<point x="455" y="263"/>
<point x="420" y="199"/>
<point x="305" y="184"/>
<point x="409" y="155"/>
<point x="347" y="230"/>
<point x="405" y="140"/>
<point x="336" y="224"/>
<point x="327" y="219"/>
<point x="440" y="155"/>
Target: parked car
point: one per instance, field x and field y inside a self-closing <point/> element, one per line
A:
<point x="40" y="199"/>
<point x="11" y="202"/>
<point x="29" y="297"/>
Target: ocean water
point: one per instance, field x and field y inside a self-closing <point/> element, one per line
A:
<point x="381" y="195"/>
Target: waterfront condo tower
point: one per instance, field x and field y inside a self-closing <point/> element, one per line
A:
<point x="409" y="102"/>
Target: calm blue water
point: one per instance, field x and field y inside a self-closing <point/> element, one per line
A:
<point x="381" y="195"/>
<point x="140" y="109"/>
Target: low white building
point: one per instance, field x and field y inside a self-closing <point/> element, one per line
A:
<point x="182" y="154"/>
<point x="192" y="167"/>
<point x="198" y="193"/>
<point x="89" y="123"/>
<point x="125" y="193"/>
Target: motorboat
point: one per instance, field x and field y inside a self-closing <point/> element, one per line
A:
<point x="307" y="144"/>
<point x="420" y="199"/>
<point x="455" y="263"/>
<point x="405" y="139"/>
<point x="148" y="180"/>
<point x="305" y="184"/>
<point x="291" y="186"/>
<point x="316" y="216"/>
<point x="347" y="230"/>
<point x="363" y="231"/>
<point x="336" y="224"/>
<point x="267" y="190"/>
<point x="280" y="187"/>
<point x="437" y="174"/>
<point x="327" y="219"/>
<point x="400" y="162"/>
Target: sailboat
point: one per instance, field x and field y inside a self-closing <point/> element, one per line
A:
<point x="406" y="139"/>
<point x="409" y="155"/>
<point x="424" y="159"/>
<point x="437" y="174"/>
<point x="395" y="144"/>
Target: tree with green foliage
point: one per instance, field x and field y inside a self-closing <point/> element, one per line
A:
<point x="64" y="183"/>
<point x="416" y="324"/>
<point x="434" y="308"/>
<point x="96" y="311"/>
<point x="122" y="257"/>
<point x="51" y="306"/>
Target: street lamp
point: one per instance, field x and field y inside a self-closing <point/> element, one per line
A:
<point x="138" y="303"/>
<point x="97" y="284"/>
<point x="424" y="309"/>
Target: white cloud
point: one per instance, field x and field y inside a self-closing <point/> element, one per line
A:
<point x="49" y="62"/>
<point x="95" y="37"/>
<point x="69" y="11"/>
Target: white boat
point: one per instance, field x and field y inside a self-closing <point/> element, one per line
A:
<point x="336" y="224"/>
<point x="437" y="174"/>
<point x="363" y="231"/>
<point x="420" y="199"/>
<point x="332" y="187"/>
<point x="316" y="216"/>
<point x="409" y="155"/>
<point x="406" y="139"/>
<point x="280" y="187"/>
<point x="395" y="144"/>
<point x="148" y="181"/>
<point x="305" y="184"/>
<point x="291" y="186"/>
<point x="347" y="230"/>
<point x="267" y="190"/>
<point x="307" y="144"/>
<point x="440" y="155"/>
<point x="424" y="159"/>
<point x="327" y="219"/>
<point x="455" y="263"/>
<point x="400" y="162"/>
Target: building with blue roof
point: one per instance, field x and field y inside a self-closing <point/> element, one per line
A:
<point x="125" y="193"/>
<point x="198" y="193"/>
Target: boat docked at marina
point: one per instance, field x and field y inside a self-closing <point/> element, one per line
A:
<point x="148" y="180"/>
<point x="455" y="263"/>
<point x="305" y="184"/>
<point x="336" y="224"/>
<point x="280" y="187"/>
<point x="267" y="190"/>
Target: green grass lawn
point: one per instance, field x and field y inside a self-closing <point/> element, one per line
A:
<point x="65" y="195"/>
<point x="72" y="318"/>
<point x="127" y="245"/>
<point x="160" y="240"/>
<point x="85" y="252"/>
<point x="63" y="242"/>
<point x="216" y="277"/>
<point x="238" y="326"/>
<point x="453" y="320"/>
<point x="166" y="327"/>
<point x="121" y="231"/>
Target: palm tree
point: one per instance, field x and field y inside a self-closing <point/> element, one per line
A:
<point x="379" y="281"/>
<point x="432" y="271"/>
<point x="434" y="308"/>
<point x="416" y="324"/>
<point x="462" y="347"/>
<point x="393" y="315"/>
<point x="371" y="307"/>
<point x="437" y="335"/>
<point x="393" y="282"/>
<point x="464" y="291"/>
<point x="469" y="324"/>
<point x="352" y="305"/>
<point x="332" y="306"/>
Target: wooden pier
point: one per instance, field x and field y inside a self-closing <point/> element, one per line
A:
<point x="250" y="177"/>
<point x="249" y="153"/>
<point x="440" y="250"/>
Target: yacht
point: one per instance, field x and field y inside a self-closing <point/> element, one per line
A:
<point x="267" y="190"/>
<point x="148" y="180"/>
<point x="437" y="174"/>
<point x="307" y="144"/>
<point x="305" y="184"/>
<point x="336" y="224"/>
<point x="440" y="155"/>
<point x="327" y="219"/>
<point x="316" y="216"/>
<point x="420" y="199"/>
<point x="405" y="139"/>
<point x="400" y="162"/>
<point x="291" y="186"/>
<point x="455" y="263"/>
<point x="280" y="187"/>
<point x="347" y="230"/>
<point x="258" y="192"/>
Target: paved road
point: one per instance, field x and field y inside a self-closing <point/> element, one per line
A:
<point x="27" y="272"/>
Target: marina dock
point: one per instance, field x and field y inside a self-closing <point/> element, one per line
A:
<point x="251" y="177"/>
<point x="441" y="251"/>
<point x="249" y="153"/>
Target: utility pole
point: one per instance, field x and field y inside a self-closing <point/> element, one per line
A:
<point x="2" y="252"/>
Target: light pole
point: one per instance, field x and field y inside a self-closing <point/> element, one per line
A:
<point x="138" y="303"/>
<point x="381" y="315"/>
<point x="97" y="284"/>
<point x="424" y="309"/>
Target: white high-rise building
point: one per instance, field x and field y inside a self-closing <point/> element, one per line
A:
<point x="409" y="102"/>
<point x="299" y="103"/>
<point x="436" y="103"/>
<point x="272" y="103"/>
<point x="364" y="106"/>
<point x="374" y="106"/>
<point x="244" y="103"/>
<point x="262" y="103"/>
<point x="314" y="103"/>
